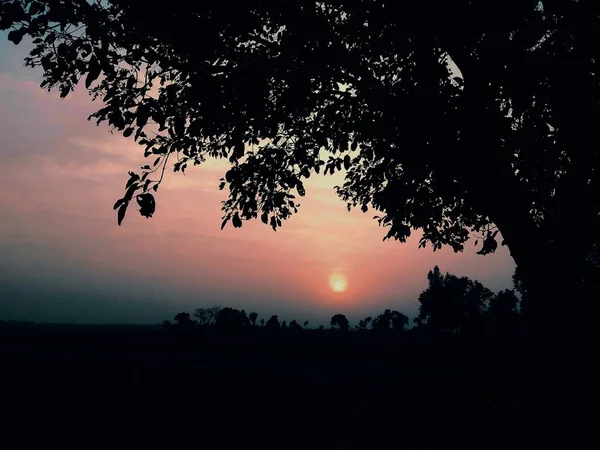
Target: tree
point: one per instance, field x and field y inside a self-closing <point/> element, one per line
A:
<point x="231" y="319"/>
<point x="294" y="325"/>
<point x="340" y="322"/>
<point x="399" y="321"/>
<point x="183" y="320"/>
<point x="481" y="131"/>
<point x="503" y="310"/>
<point x="253" y="316"/>
<point x="206" y="316"/>
<point x="305" y="323"/>
<point x="390" y="320"/>
<point x="453" y="304"/>
<point x="273" y="323"/>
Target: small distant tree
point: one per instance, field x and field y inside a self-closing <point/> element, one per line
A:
<point x="230" y="318"/>
<point x="399" y="321"/>
<point x="183" y="320"/>
<point x="262" y="322"/>
<point x="305" y="323"/>
<point x="253" y="316"/>
<point x="284" y="324"/>
<point x="503" y="310"/>
<point x="340" y="322"/>
<point x="294" y="325"/>
<point x="206" y="316"/>
<point x="390" y="320"/>
<point x="273" y="323"/>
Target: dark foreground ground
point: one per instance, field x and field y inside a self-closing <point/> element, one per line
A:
<point x="137" y="387"/>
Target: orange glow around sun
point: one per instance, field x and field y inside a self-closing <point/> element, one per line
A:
<point x="338" y="283"/>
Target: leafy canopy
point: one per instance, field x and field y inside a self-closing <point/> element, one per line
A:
<point x="438" y="118"/>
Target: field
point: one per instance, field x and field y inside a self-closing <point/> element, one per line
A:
<point x="139" y="386"/>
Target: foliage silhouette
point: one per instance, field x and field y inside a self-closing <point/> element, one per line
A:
<point x="503" y="311"/>
<point x="452" y="304"/>
<point x="206" y="316"/>
<point x="340" y="322"/>
<point x="482" y="130"/>
<point x="253" y="316"/>
<point x="273" y="323"/>
<point x="184" y="320"/>
<point x="294" y="325"/>
<point x="388" y="320"/>
<point x="230" y="318"/>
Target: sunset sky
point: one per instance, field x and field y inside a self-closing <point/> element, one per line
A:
<point x="64" y="259"/>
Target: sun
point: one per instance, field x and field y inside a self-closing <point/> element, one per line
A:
<point x="338" y="283"/>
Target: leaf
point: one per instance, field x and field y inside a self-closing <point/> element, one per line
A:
<point x="147" y="204"/>
<point x="143" y="114"/>
<point x="300" y="188"/>
<point x="476" y="242"/>
<point x="347" y="162"/>
<point x="62" y="49"/>
<point x="133" y="177"/>
<point x="94" y="71"/>
<point x="364" y="208"/>
<point x="128" y="132"/>
<point x="64" y="90"/>
<point x="121" y="213"/>
<point x="118" y="203"/>
<point x="354" y="145"/>
<point x="15" y="36"/>
<point x="264" y="218"/>
<point x="179" y="126"/>
<point x="236" y="221"/>
<point x="224" y="222"/>
<point x="238" y="151"/>
<point x="35" y="8"/>
<point x="129" y="192"/>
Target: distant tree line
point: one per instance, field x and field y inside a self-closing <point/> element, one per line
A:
<point x="450" y="304"/>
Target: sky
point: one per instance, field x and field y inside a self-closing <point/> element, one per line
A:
<point x="64" y="259"/>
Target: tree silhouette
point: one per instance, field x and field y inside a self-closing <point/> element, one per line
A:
<point x="253" y="316"/>
<point x="294" y="325"/>
<point x="340" y="322"/>
<point x="451" y="303"/>
<point x="480" y="130"/>
<point x="183" y="320"/>
<point x="389" y="320"/>
<point x="230" y="318"/>
<point x="206" y="316"/>
<point x="273" y="323"/>
<point x="503" y="310"/>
